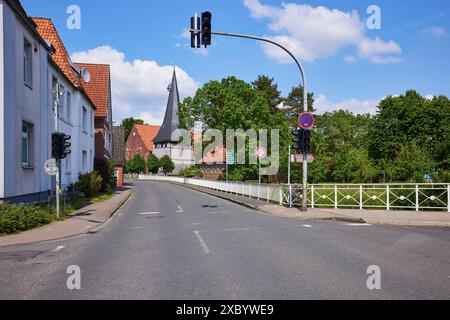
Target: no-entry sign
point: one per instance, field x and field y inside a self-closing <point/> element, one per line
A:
<point x="306" y="120"/>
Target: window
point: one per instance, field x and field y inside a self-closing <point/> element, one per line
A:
<point x="84" y="119"/>
<point x="84" y="161"/>
<point x="69" y="106"/>
<point x="27" y="130"/>
<point x="27" y="63"/>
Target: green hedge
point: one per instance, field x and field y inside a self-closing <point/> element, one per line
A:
<point x="15" y="218"/>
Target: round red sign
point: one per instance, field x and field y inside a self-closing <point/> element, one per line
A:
<point x="306" y="120"/>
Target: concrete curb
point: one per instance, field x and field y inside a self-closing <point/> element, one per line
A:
<point x="93" y="229"/>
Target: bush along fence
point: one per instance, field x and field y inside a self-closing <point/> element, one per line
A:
<point x="402" y="196"/>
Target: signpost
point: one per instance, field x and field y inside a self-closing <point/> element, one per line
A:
<point x="260" y="153"/>
<point x="298" y="158"/>
<point x="231" y="160"/>
<point x="51" y="167"/>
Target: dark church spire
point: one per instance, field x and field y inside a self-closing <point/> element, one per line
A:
<point x="171" y="120"/>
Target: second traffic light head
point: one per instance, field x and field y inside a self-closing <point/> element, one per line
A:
<point x="206" y="28"/>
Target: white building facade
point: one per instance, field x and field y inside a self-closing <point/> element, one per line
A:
<point x="27" y="119"/>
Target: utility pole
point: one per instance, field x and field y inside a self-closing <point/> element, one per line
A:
<point x="206" y="29"/>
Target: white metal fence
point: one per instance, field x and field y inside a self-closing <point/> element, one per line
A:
<point x="404" y="196"/>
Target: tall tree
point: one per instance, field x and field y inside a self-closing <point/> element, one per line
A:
<point x="270" y="90"/>
<point x="294" y="103"/>
<point x="128" y="124"/>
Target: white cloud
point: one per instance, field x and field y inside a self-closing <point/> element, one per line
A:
<point x="319" y="32"/>
<point x="356" y="106"/>
<point x="153" y="118"/>
<point x="139" y="87"/>
<point x="435" y="32"/>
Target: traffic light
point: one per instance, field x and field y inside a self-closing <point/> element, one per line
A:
<point x="195" y="37"/>
<point x="206" y="28"/>
<point x="60" y="145"/>
<point x="298" y="139"/>
<point x="66" y="145"/>
<point x="307" y="141"/>
<point x="56" y="146"/>
<point x="302" y="140"/>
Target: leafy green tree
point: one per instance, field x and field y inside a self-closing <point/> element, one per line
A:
<point x="128" y="124"/>
<point x="354" y="165"/>
<point x="153" y="164"/>
<point x="294" y="104"/>
<point x="412" y="164"/>
<point x="166" y="165"/>
<point x="270" y="90"/>
<point x="135" y="165"/>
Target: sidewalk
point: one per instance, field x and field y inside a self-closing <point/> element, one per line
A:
<point x="82" y="221"/>
<point x="398" y="218"/>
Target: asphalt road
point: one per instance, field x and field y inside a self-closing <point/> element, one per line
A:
<point x="168" y="242"/>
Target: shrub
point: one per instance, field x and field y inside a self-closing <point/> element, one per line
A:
<point x="191" y="172"/>
<point x="14" y="218"/>
<point x="167" y="165"/>
<point x="153" y="164"/>
<point x="135" y="165"/>
<point x="90" y="184"/>
<point x="106" y="170"/>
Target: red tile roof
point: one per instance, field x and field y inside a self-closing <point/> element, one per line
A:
<point x="148" y="134"/>
<point x="48" y="31"/>
<point x="98" y="87"/>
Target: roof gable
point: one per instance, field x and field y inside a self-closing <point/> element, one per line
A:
<point x="99" y="87"/>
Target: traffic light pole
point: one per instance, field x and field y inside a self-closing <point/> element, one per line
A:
<point x="305" y="100"/>
<point x="58" y="161"/>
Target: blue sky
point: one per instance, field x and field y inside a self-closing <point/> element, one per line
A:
<point x="347" y="65"/>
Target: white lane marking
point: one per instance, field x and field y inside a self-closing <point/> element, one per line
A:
<point x="149" y="213"/>
<point x="358" y="225"/>
<point x="200" y="240"/>
<point x="307" y="226"/>
<point x="180" y="210"/>
<point x="58" y="249"/>
<point x="238" y="229"/>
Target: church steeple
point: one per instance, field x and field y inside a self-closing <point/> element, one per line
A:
<point x="171" y="120"/>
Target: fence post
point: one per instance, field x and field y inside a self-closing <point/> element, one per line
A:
<point x="281" y="195"/>
<point x="448" y="197"/>
<point x="417" y="198"/>
<point x="290" y="196"/>
<point x="388" y="198"/>
<point x="313" y="190"/>
<point x="335" y="197"/>
<point x="361" y="198"/>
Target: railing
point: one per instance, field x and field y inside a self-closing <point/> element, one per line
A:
<point x="403" y="196"/>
